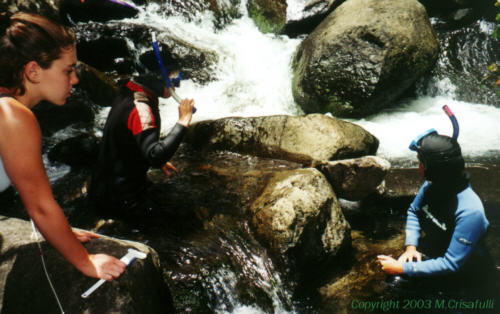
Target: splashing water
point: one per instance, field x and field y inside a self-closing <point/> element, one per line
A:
<point x="253" y="78"/>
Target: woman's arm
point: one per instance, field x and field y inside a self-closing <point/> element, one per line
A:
<point x="20" y="148"/>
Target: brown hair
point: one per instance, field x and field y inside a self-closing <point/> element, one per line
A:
<point x="26" y="37"/>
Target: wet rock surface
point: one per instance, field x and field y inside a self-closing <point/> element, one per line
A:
<point x="355" y="179"/>
<point x="301" y="139"/>
<point x="269" y="16"/>
<point x="24" y="287"/>
<point x="363" y="56"/>
<point x="298" y="212"/>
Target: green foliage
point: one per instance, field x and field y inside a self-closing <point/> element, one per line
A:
<point x="495" y="32"/>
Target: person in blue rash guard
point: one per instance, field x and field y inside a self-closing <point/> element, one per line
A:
<point x="446" y="220"/>
<point x="131" y="145"/>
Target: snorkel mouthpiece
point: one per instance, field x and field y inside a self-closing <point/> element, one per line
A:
<point x="170" y="83"/>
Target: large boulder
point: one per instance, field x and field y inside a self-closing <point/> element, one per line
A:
<point x="355" y="179"/>
<point x="298" y="214"/>
<point x="363" y="56"/>
<point x="269" y="15"/>
<point x="24" y="287"/>
<point x="300" y="139"/>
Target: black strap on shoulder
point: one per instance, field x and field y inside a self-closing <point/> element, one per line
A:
<point x="5" y="95"/>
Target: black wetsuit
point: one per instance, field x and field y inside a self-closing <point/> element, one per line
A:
<point x="130" y="146"/>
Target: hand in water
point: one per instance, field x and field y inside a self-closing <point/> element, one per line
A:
<point x="167" y="167"/>
<point x="390" y="265"/>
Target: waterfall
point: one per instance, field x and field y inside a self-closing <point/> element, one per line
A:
<point x="253" y="78"/>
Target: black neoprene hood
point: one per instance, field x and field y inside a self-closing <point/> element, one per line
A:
<point x="152" y="83"/>
<point x="441" y="155"/>
<point x="439" y="148"/>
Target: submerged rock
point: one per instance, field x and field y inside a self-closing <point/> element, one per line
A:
<point x="355" y="179"/>
<point x="363" y="56"/>
<point x="300" y="139"/>
<point x="24" y="287"/>
<point x="298" y="214"/>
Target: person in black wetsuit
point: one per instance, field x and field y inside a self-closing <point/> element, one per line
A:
<point x="131" y="145"/>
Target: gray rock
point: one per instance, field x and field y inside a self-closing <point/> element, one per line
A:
<point x="354" y="179"/>
<point x="363" y="56"/>
<point x="24" y="287"/>
<point x="298" y="213"/>
<point x="300" y="139"/>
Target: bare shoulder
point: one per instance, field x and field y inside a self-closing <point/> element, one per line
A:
<point x="15" y="114"/>
<point x="17" y="122"/>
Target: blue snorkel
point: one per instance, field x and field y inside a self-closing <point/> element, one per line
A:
<point x="414" y="144"/>
<point x="170" y="83"/>
<point x="453" y="120"/>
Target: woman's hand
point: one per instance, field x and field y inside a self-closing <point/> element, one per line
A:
<point x="186" y="112"/>
<point x="84" y="236"/>
<point x="390" y="265"/>
<point x="410" y="255"/>
<point x="103" y="266"/>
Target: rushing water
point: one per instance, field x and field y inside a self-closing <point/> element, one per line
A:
<point x="253" y="78"/>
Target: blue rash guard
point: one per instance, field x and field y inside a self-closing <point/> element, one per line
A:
<point x="462" y="233"/>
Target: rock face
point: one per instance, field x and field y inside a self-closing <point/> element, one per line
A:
<point x="48" y="8"/>
<point x="269" y="15"/>
<point x="298" y="214"/>
<point x="24" y="287"/>
<point x="354" y="179"/>
<point x="106" y="48"/>
<point x="306" y="17"/>
<point x="363" y="56"/>
<point x="301" y="139"/>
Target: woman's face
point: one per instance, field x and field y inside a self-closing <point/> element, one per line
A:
<point x="59" y="78"/>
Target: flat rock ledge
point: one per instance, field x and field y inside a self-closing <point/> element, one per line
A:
<point x="24" y="287"/>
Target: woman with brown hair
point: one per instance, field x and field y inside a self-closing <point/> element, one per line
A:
<point x="37" y="62"/>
